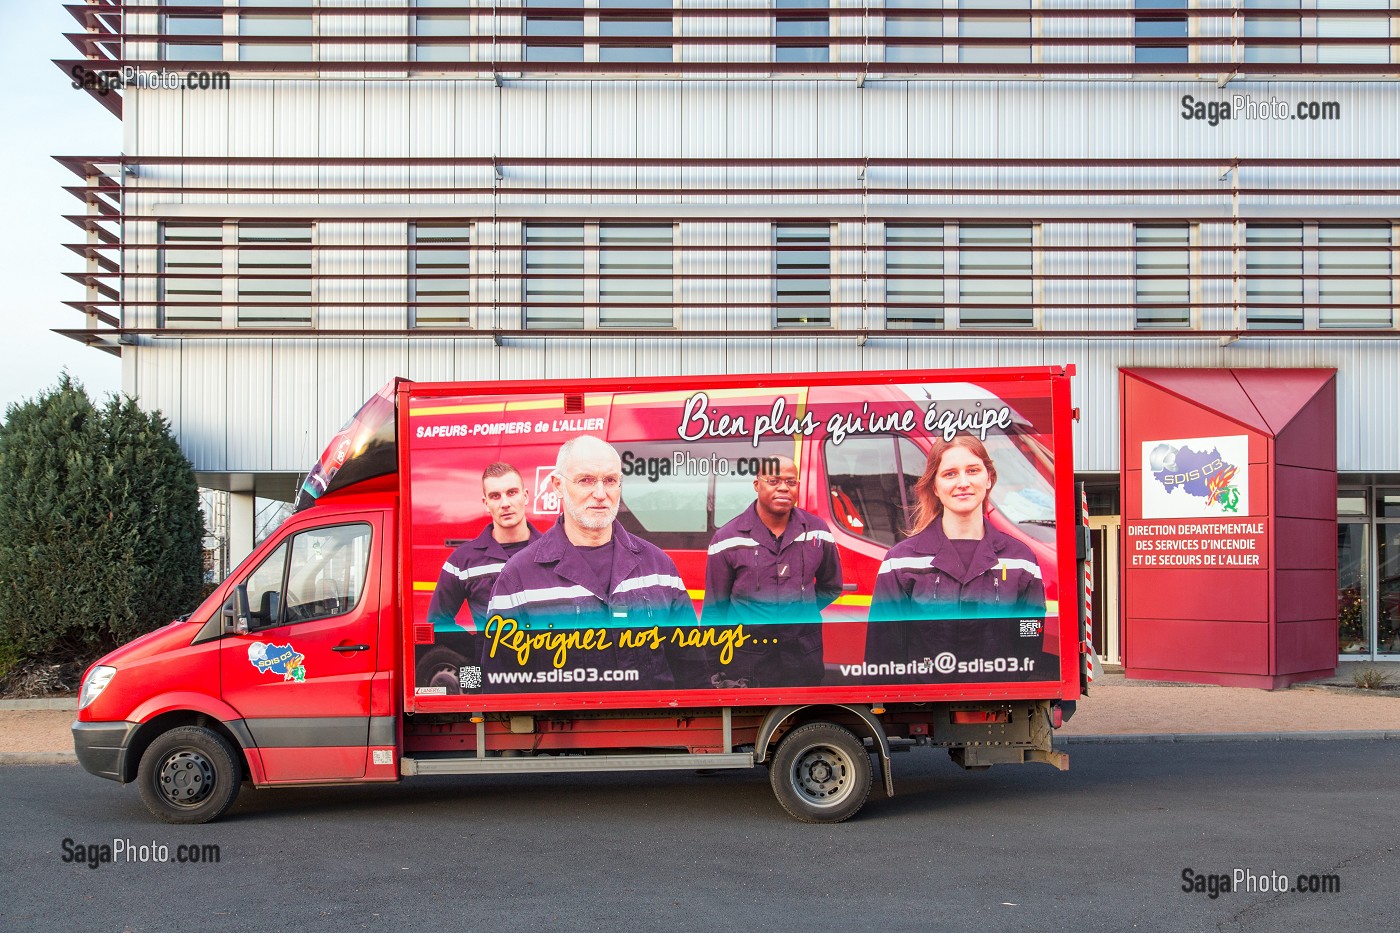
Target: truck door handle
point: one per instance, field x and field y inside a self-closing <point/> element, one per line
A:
<point x="351" y="648"/>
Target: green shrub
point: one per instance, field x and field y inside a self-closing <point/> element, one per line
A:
<point x="103" y="528"/>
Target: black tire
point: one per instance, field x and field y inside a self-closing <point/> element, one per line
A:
<point x="440" y="667"/>
<point x="821" y="773"/>
<point x="189" y="775"/>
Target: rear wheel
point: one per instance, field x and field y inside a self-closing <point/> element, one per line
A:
<point x="189" y="775"/>
<point x="821" y="773"/>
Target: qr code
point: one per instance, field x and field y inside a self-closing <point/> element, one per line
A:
<point x="1029" y="628"/>
<point x="470" y="678"/>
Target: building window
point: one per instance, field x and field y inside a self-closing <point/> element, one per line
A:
<point x="437" y="25"/>
<point x="994" y="27"/>
<point x="267" y="24"/>
<point x="1163" y="270"/>
<point x="804" y="27"/>
<point x="1358" y="27"/>
<point x="554" y="276"/>
<point x="995" y="268"/>
<point x="441" y="265"/>
<point x="1354" y="288"/>
<point x="635" y="285"/>
<point x="1273" y="276"/>
<point x="803" y="267"/>
<point x="192" y="284"/>
<point x="1387" y="571"/>
<point x="914" y="276"/>
<point x="623" y="31"/>
<point x="922" y="25"/>
<point x="1353" y="572"/>
<point x="176" y="25"/>
<point x="554" y="26"/>
<point x="1273" y="26"/>
<point x="280" y="255"/>
<point x="1160" y="26"/>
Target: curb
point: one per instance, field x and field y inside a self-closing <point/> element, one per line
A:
<point x="69" y="703"/>
<point x="38" y="758"/>
<point x="1189" y="738"/>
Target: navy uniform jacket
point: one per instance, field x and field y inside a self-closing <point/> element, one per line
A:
<point x="752" y="579"/>
<point x="548" y="587"/>
<point x="923" y="578"/>
<point x="467" y="577"/>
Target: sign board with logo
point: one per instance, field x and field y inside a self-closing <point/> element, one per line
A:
<point x="1229" y="480"/>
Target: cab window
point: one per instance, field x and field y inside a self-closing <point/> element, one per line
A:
<point x="870" y="481"/>
<point x="317" y="574"/>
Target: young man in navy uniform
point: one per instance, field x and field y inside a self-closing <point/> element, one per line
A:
<point x="772" y="569"/>
<point x="470" y="571"/>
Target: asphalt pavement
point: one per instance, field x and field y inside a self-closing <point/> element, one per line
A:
<point x="1107" y="846"/>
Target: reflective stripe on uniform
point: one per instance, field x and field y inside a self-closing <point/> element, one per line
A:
<point x="653" y="579"/>
<point x="728" y="543"/>
<point x="508" y="601"/>
<point x="816" y="535"/>
<point x="1030" y="567"/>
<point x="907" y="563"/>
<point x="469" y="572"/>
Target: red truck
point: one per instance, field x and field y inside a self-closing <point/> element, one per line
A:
<point x="893" y="560"/>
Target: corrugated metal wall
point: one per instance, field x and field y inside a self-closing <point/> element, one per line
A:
<point x="267" y="404"/>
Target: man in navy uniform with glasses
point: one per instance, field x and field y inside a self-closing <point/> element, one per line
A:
<point x="588" y="573"/>
<point x="772" y="569"/>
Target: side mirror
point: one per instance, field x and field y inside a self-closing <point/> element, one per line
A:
<point x="236" y="611"/>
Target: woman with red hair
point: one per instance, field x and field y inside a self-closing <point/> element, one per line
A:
<point x="954" y="564"/>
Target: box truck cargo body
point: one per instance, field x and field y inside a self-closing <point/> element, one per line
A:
<point x="801" y="571"/>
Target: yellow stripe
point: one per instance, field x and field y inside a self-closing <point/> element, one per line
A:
<point x="854" y="599"/>
<point x="646" y="397"/>
<point x="420" y="587"/>
<point x="455" y="409"/>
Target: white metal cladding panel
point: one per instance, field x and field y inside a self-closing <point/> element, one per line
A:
<point x="567" y="110"/>
<point x="612" y="131"/>
<point x="705" y="297"/>
<point x="342" y="291"/>
<point x="476" y="359"/>
<point x="790" y="355"/>
<point x="928" y="127"/>
<point x="250" y="417"/>
<point x="432" y="111"/>
<point x="1094" y="27"/>
<point x="840" y="134"/>
<point x="884" y="133"/>
<point x="749" y="127"/>
<point x="523" y="118"/>
<point x="704" y="356"/>
<point x="659" y="357"/>
<point x="384" y="360"/>
<point x="751" y="291"/>
<point x="151" y="374"/>
<point x="795" y="121"/>
<point x="377" y="315"/>
<point x="296" y="112"/>
<point x="847" y="258"/>
<point x="294" y="385"/>
<point x="883" y="354"/>
<point x="430" y="359"/>
<point x="610" y="357"/>
<point x="704" y="132"/>
<point x="387" y="134"/>
<point x="507" y="290"/>
<point x="1214" y="262"/>
<point x="568" y="358"/>
<point x="474" y="118"/>
<point x="205" y="402"/>
<point x="659" y="133"/>
<point x="929" y="353"/>
<point x="159" y="118"/>
<point x="834" y="356"/>
<point x="141" y="260"/>
<point x="338" y="393"/>
<point x="523" y="358"/>
<point x="1368" y="403"/>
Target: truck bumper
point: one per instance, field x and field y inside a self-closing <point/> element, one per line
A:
<point x="102" y="747"/>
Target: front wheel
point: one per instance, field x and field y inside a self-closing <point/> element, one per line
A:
<point x="821" y="773"/>
<point x="189" y="775"/>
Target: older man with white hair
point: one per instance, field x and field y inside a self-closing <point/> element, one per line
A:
<point x="588" y="572"/>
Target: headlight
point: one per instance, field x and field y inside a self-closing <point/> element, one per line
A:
<point x="95" y="682"/>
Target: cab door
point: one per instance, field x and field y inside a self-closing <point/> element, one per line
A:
<point x="301" y="677"/>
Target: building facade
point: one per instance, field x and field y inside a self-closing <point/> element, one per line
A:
<point x="348" y="191"/>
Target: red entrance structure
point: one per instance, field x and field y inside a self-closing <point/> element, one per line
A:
<point x="1229" y="480"/>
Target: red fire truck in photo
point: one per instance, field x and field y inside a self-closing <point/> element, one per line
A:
<point x="805" y="571"/>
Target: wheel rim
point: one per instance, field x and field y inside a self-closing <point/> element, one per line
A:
<point x="186" y="778"/>
<point x="823" y="776"/>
